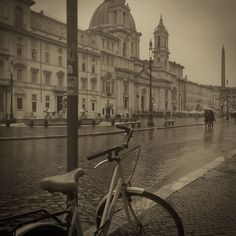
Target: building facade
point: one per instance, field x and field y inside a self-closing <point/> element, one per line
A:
<point x="113" y="80"/>
<point x="228" y="95"/>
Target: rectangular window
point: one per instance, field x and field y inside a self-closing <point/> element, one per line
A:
<point x="108" y="88"/>
<point x="93" y="68"/>
<point x="126" y="88"/>
<point x="61" y="81"/>
<point x="19" y="74"/>
<point x="60" y="60"/>
<point x="93" y="85"/>
<point x="166" y="105"/>
<point x="47" y="101"/>
<point x="83" y="67"/>
<point x="34" y="54"/>
<point x="34" y="103"/>
<point x="47" y="56"/>
<point x="84" y="83"/>
<point x="126" y="103"/>
<point x="34" y="106"/>
<point x="93" y="106"/>
<point x="34" y="74"/>
<point x="103" y="86"/>
<point x="47" y="78"/>
<point x="1" y="102"/>
<point x="19" y="51"/>
<point x="19" y="104"/>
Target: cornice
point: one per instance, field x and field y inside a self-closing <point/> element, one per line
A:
<point x="43" y="38"/>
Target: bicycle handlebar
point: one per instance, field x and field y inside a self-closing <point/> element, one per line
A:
<point x="129" y="132"/>
<point x="102" y="153"/>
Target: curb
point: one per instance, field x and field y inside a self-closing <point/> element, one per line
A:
<point x="98" y="133"/>
<point x="182" y="182"/>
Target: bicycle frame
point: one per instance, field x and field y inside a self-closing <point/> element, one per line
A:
<point x="115" y="191"/>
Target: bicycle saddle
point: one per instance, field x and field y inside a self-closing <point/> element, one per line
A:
<point x="66" y="183"/>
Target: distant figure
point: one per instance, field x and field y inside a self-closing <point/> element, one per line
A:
<point x="209" y="118"/>
<point x="63" y="112"/>
<point x="83" y="112"/>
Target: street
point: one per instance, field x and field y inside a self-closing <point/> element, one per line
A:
<point x="166" y="155"/>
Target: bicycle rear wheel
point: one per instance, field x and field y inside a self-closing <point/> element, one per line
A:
<point x="44" y="230"/>
<point x="155" y="217"/>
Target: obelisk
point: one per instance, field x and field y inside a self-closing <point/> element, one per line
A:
<point x="223" y="68"/>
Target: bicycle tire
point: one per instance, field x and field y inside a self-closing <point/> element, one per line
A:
<point x="160" y="218"/>
<point x="44" y="230"/>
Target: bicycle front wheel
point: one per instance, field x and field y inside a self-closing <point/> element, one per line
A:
<point x="149" y="215"/>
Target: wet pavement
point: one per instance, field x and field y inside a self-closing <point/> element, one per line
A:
<point x="167" y="155"/>
<point x="20" y="130"/>
<point x="207" y="206"/>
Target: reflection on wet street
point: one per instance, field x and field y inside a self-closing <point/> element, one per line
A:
<point x="166" y="155"/>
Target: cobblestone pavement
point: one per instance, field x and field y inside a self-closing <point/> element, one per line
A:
<point x="207" y="206"/>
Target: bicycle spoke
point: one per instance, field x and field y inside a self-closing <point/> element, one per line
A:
<point x="152" y="217"/>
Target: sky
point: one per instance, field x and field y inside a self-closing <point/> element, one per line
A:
<point x="198" y="29"/>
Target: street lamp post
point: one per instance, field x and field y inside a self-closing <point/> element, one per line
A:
<point x="150" y="115"/>
<point x="227" y="102"/>
<point x="11" y="84"/>
<point x="10" y="120"/>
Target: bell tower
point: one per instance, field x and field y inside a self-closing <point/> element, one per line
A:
<point x="161" y="50"/>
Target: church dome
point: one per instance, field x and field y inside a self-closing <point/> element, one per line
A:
<point x="109" y="13"/>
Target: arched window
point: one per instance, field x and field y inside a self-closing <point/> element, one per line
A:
<point x="124" y="48"/>
<point x="115" y="17"/>
<point x="124" y="18"/>
<point x="158" y="42"/>
<point x="19" y="17"/>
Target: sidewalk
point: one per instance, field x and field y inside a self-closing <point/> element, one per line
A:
<point x="207" y="206"/>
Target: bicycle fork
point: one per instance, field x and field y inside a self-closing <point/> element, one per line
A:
<point x="111" y="202"/>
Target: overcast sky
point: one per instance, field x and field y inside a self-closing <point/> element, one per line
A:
<point x="197" y="31"/>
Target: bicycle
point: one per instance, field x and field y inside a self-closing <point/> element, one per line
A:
<point x="125" y="210"/>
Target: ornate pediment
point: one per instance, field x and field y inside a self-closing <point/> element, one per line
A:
<point x="19" y="64"/>
<point x="20" y="92"/>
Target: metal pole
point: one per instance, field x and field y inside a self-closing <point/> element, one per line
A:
<point x="150" y="116"/>
<point x="72" y="85"/>
<point x="11" y="108"/>
<point x="227" y="101"/>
